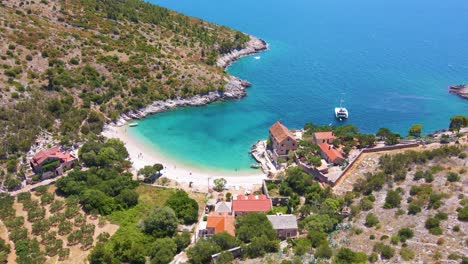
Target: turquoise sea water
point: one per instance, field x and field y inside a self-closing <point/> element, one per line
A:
<point x="392" y="59"/>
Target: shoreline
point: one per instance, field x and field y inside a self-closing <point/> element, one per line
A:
<point x="141" y="155"/>
<point x="233" y="89"/>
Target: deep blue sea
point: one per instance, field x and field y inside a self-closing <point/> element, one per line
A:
<point x="393" y="60"/>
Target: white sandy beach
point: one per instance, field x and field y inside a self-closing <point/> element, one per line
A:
<point x="141" y="155"/>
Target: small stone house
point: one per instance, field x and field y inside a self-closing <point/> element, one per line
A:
<point x="218" y="223"/>
<point x="330" y="154"/>
<point x="285" y="225"/>
<point x="282" y="140"/>
<point x="52" y="162"/>
<point x="323" y="137"/>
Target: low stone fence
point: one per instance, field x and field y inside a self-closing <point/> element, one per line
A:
<point x="411" y="144"/>
<point x="313" y="171"/>
<point x="282" y="200"/>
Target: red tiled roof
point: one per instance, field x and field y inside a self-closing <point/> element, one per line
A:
<point x="54" y="152"/>
<point x="221" y="222"/>
<point x="324" y="135"/>
<point x="280" y="132"/>
<point x="330" y="152"/>
<point x="251" y="203"/>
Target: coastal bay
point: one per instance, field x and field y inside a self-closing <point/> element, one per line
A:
<point x="393" y="73"/>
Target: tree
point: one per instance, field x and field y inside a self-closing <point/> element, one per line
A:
<point x="160" y="222"/>
<point x="147" y="171"/>
<point x="366" y="140"/>
<point x="225" y="257"/>
<point x="320" y="222"/>
<point x="163" y="251"/>
<point x="97" y="200"/>
<point x="158" y="167"/>
<point x="225" y="241"/>
<point x="127" y="198"/>
<point x="317" y="238"/>
<point x="260" y="245"/>
<point x="101" y="254"/>
<point x="182" y="240"/>
<point x="12" y="183"/>
<point x="383" y="133"/>
<point x="392" y="139"/>
<point x="301" y="246"/>
<point x="415" y="130"/>
<point x="458" y="122"/>
<point x="219" y="184"/>
<point x="392" y="200"/>
<point x="254" y="225"/>
<point x="314" y="160"/>
<point x="185" y="207"/>
<point x="201" y="252"/>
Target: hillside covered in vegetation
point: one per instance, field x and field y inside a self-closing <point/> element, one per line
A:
<point x="69" y="66"/>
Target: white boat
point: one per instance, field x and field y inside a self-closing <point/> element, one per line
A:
<point x="341" y="112"/>
<point x="255" y="166"/>
<point x="133" y="125"/>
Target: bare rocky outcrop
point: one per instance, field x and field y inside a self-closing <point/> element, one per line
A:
<point x="460" y="90"/>
<point x="233" y="89"/>
<point x="254" y="45"/>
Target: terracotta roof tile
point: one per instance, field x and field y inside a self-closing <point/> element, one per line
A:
<point x="331" y="152"/>
<point x="251" y="203"/>
<point x="221" y="222"/>
<point x="54" y="152"/>
<point x="280" y="132"/>
<point x="324" y="135"/>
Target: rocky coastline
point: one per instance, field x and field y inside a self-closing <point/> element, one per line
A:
<point x="254" y="45"/>
<point x="460" y="90"/>
<point x="233" y="89"/>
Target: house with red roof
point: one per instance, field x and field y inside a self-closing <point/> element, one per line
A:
<point x="218" y="223"/>
<point x="52" y="162"/>
<point x="251" y="203"/>
<point x="282" y="140"/>
<point x="323" y="137"/>
<point x="330" y="154"/>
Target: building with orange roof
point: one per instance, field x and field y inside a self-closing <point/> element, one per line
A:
<point x="282" y="140"/>
<point x="330" y="154"/>
<point x="323" y="137"/>
<point x="251" y="203"/>
<point x="52" y="162"/>
<point x="218" y="223"/>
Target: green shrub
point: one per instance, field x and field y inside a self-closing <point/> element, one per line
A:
<point x="392" y="200"/>
<point x="405" y="233"/>
<point x="406" y="254"/>
<point x="386" y="251"/>
<point x="453" y="177"/>
<point x="413" y="209"/>
<point x="371" y="220"/>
